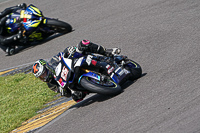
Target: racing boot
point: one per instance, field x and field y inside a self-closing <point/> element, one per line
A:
<point x="7" y="41"/>
<point x="67" y="93"/>
<point x="79" y="96"/>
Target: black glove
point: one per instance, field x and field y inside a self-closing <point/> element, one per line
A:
<point x="23" y="5"/>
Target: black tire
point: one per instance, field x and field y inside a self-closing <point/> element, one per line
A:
<point x="94" y="87"/>
<point x="59" y="26"/>
<point x="134" y="68"/>
<point x="10" y="50"/>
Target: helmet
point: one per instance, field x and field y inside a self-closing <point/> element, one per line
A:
<point x="84" y="42"/>
<point x="40" y="71"/>
<point x="83" y="45"/>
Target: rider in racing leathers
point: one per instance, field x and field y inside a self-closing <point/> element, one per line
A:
<point x="85" y="46"/>
<point x="6" y="38"/>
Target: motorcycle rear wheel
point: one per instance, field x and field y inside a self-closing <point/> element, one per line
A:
<point x="106" y="88"/>
<point x="59" y="26"/>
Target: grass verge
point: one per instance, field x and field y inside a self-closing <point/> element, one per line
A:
<point x="21" y="96"/>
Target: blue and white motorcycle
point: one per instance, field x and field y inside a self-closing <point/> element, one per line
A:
<point x="95" y="79"/>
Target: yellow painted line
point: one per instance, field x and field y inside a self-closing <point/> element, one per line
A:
<point x="44" y="118"/>
<point x="1" y="73"/>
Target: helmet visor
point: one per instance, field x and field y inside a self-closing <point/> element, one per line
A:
<point x="44" y="76"/>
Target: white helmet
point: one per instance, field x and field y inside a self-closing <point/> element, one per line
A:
<point x="39" y="70"/>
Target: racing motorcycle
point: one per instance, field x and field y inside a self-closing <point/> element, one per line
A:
<point x="36" y="27"/>
<point x="95" y="79"/>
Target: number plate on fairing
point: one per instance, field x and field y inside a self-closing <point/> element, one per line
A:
<point x="63" y="72"/>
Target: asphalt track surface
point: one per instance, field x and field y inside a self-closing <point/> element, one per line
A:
<point x="161" y="35"/>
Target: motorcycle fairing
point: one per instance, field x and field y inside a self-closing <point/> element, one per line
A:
<point x="31" y="20"/>
<point x="63" y="70"/>
<point x="68" y="63"/>
<point x="77" y="55"/>
<point x="131" y="65"/>
<point x="79" y="62"/>
<point x="24" y="15"/>
<point x="119" y="75"/>
<point x="31" y="17"/>
<point x="33" y="10"/>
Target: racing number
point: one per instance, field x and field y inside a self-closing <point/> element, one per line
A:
<point x="64" y="73"/>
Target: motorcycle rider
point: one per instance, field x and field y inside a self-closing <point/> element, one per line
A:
<point x="6" y="39"/>
<point x="41" y="68"/>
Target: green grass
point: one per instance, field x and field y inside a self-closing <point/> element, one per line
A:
<point x="21" y="96"/>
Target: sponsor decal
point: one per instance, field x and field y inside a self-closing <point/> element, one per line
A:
<point x="89" y="59"/>
<point x="42" y="62"/>
<point x="112" y="75"/>
<point x="62" y="83"/>
<point x="64" y="73"/>
<point x="36" y="35"/>
<point x="58" y="69"/>
<point x="123" y="71"/>
<point x="24" y="19"/>
<point x="78" y="62"/>
<point x="110" y="69"/>
<point x="59" y="58"/>
<point x="35" y="68"/>
<point x="108" y="66"/>
<point x="94" y="62"/>
<point x="60" y="80"/>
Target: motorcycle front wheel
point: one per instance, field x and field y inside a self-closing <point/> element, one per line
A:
<point x="108" y="87"/>
<point x="134" y="68"/>
<point x="59" y="26"/>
